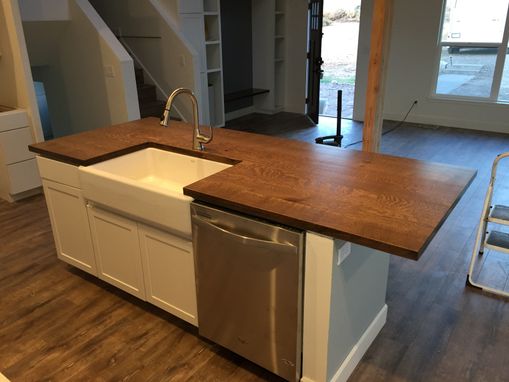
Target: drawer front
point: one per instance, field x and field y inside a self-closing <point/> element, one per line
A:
<point x="14" y="145"/>
<point x="23" y="176"/>
<point x="58" y="172"/>
<point x="13" y="119"/>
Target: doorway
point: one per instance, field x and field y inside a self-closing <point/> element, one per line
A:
<point x="340" y="40"/>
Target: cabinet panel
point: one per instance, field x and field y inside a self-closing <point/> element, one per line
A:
<point x="69" y="221"/>
<point x="58" y="171"/>
<point x="168" y="267"/>
<point x="14" y="145"/>
<point x="23" y="176"/>
<point x="117" y="250"/>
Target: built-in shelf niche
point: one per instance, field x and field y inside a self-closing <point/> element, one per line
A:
<point x="280" y="24"/>
<point x="213" y="56"/>
<point x="216" y="105"/>
<point x="279" y="84"/>
<point x="212" y="27"/>
<point x="280" y="6"/>
<point x="210" y="6"/>
<point x="279" y="49"/>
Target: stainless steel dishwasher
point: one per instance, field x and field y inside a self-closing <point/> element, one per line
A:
<point x="249" y="284"/>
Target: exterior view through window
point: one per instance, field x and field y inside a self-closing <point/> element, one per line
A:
<point x="472" y="51"/>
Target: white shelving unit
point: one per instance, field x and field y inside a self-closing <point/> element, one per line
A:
<point x="214" y="61"/>
<point x="201" y="24"/>
<point x="269" y="54"/>
<point x="279" y="54"/>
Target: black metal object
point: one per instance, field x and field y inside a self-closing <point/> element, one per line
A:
<point x="334" y="140"/>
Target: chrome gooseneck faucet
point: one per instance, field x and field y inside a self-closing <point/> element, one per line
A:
<point x="198" y="138"/>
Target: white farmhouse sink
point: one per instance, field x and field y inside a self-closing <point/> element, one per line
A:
<point x="148" y="184"/>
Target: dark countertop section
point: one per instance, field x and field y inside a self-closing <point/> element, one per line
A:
<point x="389" y="203"/>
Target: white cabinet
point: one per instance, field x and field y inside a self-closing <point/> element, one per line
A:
<point x="117" y="250"/>
<point x="200" y="22"/>
<point x="18" y="171"/>
<point x="69" y="222"/>
<point x="146" y="262"/>
<point x="151" y="264"/>
<point x="168" y="267"/>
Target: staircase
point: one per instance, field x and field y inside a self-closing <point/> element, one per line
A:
<point x="150" y="106"/>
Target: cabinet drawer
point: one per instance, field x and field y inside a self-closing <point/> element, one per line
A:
<point x="14" y="145"/>
<point x="23" y="176"/>
<point x="58" y="171"/>
<point x="13" y="119"/>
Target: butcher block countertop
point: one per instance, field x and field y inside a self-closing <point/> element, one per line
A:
<point x="392" y="204"/>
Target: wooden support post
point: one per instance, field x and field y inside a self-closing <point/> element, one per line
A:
<point x="380" y="36"/>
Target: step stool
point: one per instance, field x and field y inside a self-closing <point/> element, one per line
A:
<point x="490" y="239"/>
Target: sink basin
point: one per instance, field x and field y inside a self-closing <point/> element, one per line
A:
<point x="148" y="185"/>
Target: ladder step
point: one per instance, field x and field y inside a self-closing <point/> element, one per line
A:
<point x="500" y="215"/>
<point x="498" y="241"/>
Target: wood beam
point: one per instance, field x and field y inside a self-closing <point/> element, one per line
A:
<point x="380" y="36"/>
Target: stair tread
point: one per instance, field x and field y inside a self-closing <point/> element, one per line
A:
<point x="501" y="213"/>
<point x="498" y="241"/>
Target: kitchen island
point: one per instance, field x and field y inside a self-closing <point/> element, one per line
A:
<point x="355" y="207"/>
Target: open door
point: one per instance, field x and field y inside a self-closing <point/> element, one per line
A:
<point x="314" y="58"/>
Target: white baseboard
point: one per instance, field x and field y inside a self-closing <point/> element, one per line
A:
<point x="239" y="113"/>
<point x="352" y="360"/>
<point x="496" y="127"/>
<point x="360" y="348"/>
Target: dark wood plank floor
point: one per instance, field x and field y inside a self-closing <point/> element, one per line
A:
<point x="59" y="324"/>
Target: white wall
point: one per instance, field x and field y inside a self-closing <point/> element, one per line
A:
<point x="16" y="86"/>
<point x="8" y="93"/>
<point x="361" y="73"/>
<point x="44" y="10"/>
<point x="410" y="74"/>
<point x="296" y="56"/>
<point x="88" y="76"/>
<point x="170" y="59"/>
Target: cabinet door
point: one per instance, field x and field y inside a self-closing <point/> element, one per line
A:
<point x="168" y="267"/>
<point x="69" y="221"/>
<point x="117" y="250"/>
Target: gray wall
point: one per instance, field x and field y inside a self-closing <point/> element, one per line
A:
<point x="411" y="72"/>
<point x="236" y="31"/>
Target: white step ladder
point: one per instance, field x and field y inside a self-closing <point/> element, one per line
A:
<point x="494" y="240"/>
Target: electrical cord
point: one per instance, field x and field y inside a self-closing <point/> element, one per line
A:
<point x="398" y="125"/>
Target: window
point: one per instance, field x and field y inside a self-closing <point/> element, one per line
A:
<point x="472" y="51"/>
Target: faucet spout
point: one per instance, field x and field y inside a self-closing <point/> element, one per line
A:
<point x="198" y="138"/>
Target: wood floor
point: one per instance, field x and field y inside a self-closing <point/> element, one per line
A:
<point x="59" y="324"/>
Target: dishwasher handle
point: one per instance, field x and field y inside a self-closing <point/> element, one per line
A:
<point x="238" y="237"/>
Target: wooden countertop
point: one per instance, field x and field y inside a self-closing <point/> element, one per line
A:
<point x="388" y="203"/>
